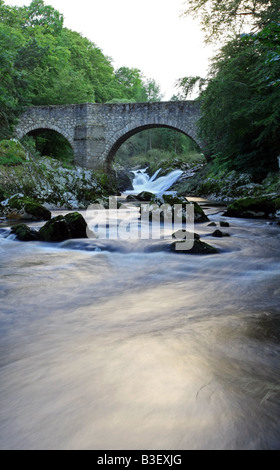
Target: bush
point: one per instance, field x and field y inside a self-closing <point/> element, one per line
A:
<point x="11" y="153"/>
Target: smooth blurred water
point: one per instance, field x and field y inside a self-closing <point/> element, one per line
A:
<point x="127" y="349"/>
<point x="154" y="184"/>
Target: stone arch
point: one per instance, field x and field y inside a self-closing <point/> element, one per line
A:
<point x="121" y="136"/>
<point x="22" y="131"/>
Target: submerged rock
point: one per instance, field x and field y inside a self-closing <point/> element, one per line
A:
<point x="199" y="248"/>
<point x="219" y="234"/>
<point x="184" y="234"/>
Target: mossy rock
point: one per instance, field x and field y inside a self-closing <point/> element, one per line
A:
<point x="63" y="228"/>
<point x="251" y="207"/>
<point x="131" y="198"/>
<point x="77" y="225"/>
<point x="27" y="208"/>
<point x="25" y="233"/>
<point x="56" y="230"/>
<point x="145" y="196"/>
<point x="171" y="200"/>
<point x="199" y="248"/>
<point x="124" y="180"/>
<point x="103" y="203"/>
<point x="199" y="214"/>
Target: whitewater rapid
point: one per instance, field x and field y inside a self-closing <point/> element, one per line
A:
<point x="154" y="184"/>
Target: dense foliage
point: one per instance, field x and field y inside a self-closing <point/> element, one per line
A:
<point x="42" y="62"/>
<point x="240" y="98"/>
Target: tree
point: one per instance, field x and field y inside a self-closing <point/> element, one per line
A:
<point x="189" y="85"/>
<point x="44" y="16"/>
<point x="232" y="17"/>
<point x="130" y="81"/>
<point x="152" y="89"/>
<point x="240" y="98"/>
<point x="241" y="104"/>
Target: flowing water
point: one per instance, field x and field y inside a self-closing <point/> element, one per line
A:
<point x="143" y="182"/>
<point x="130" y="349"/>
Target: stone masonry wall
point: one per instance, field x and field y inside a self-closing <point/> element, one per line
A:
<point x="96" y="131"/>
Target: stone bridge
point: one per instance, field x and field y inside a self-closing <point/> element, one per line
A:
<point x="96" y="131"/>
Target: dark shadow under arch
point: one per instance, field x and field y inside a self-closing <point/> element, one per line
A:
<point x="52" y="143"/>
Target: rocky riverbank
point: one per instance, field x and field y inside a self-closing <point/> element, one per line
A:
<point x="53" y="184"/>
<point x="31" y="187"/>
<point x="215" y="184"/>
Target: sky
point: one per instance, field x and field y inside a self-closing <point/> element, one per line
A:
<point x="150" y="35"/>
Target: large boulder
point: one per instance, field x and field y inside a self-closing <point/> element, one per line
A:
<point x="199" y="214"/>
<point x="124" y="180"/>
<point x="56" y="230"/>
<point x="179" y="207"/>
<point x="77" y="225"/>
<point x="254" y="207"/>
<point x="26" y="208"/>
<point x="63" y="228"/>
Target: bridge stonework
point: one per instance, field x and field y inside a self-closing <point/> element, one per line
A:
<point x="96" y="131"/>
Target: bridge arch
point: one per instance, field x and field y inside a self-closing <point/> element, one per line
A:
<point x="123" y="135"/>
<point x="25" y="130"/>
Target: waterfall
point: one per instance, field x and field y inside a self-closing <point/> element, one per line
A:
<point x="142" y="181"/>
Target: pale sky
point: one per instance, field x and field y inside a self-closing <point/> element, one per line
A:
<point x="149" y="35"/>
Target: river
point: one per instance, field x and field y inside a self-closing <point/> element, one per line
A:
<point x="128" y="349"/>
